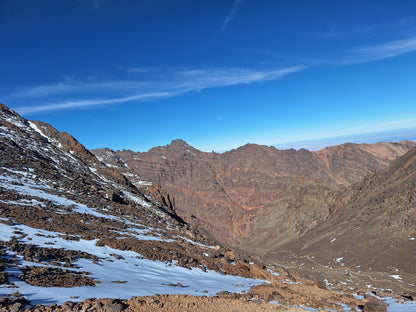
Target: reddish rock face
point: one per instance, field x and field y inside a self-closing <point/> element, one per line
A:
<point x="225" y="194"/>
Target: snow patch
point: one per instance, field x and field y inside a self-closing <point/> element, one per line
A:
<point x="190" y="152"/>
<point x="393" y="304"/>
<point x="34" y="127"/>
<point x="138" y="276"/>
<point x="137" y="199"/>
<point x="145" y="183"/>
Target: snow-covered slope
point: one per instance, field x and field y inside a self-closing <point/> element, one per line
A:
<point x="116" y="273"/>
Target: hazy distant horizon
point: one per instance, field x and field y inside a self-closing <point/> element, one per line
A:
<point x="397" y="135"/>
<point x="369" y="138"/>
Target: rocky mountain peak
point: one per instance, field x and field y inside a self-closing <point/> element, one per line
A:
<point x="7" y="110"/>
<point x="179" y="143"/>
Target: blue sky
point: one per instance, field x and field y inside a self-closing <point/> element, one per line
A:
<point x="217" y="74"/>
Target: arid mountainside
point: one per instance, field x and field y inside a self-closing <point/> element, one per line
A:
<point x="369" y="235"/>
<point x="373" y="228"/>
<point x="239" y="194"/>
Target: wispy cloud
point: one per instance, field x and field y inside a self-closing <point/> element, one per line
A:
<point x="87" y="103"/>
<point x="92" y="4"/>
<point x="133" y="69"/>
<point x="231" y="15"/>
<point x="78" y="87"/>
<point x="202" y="79"/>
<point x="78" y="94"/>
<point x="386" y="50"/>
<point x="358" y="30"/>
<point x="362" y="54"/>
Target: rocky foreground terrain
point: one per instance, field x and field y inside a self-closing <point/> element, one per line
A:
<point x="78" y="234"/>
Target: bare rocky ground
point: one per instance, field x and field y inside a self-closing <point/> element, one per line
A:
<point x="168" y="303"/>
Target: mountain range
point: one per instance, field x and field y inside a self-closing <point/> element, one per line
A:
<point x="254" y="228"/>
<point x="256" y="188"/>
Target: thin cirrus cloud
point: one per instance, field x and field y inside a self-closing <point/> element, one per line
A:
<point x="358" y="30"/>
<point x="231" y="15"/>
<point x="364" y="54"/>
<point x="86" y="103"/>
<point x="69" y="87"/>
<point x="386" y="50"/>
<point x="49" y="97"/>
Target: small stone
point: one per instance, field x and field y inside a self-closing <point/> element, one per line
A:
<point x="86" y="306"/>
<point x="16" y="307"/>
<point x="16" y="294"/>
<point x="223" y="293"/>
<point x="113" y="306"/>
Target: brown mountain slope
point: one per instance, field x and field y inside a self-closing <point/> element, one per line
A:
<point x="303" y="205"/>
<point x="349" y="163"/>
<point x="224" y="193"/>
<point x="192" y="182"/>
<point x="375" y="229"/>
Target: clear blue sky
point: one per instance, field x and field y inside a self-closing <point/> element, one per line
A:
<point x="216" y="73"/>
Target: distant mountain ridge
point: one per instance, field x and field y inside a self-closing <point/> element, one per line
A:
<point x="223" y="193"/>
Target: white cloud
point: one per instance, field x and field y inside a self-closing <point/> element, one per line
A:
<point x="230" y="15"/>
<point x="203" y="79"/>
<point x="386" y="50"/>
<point x="92" y="4"/>
<point x="78" y="87"/>
<point x="85" y="93"/>
<point x="358" y="55"/>
<point x="358" y="30"/>
<point x="87" y="103"/>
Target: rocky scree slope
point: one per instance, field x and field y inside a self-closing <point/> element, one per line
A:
<point x="373" y="227"/>
<point x="228" y="195"/>
<point x="73" y="228"/>
<point x="368" y="240"/>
